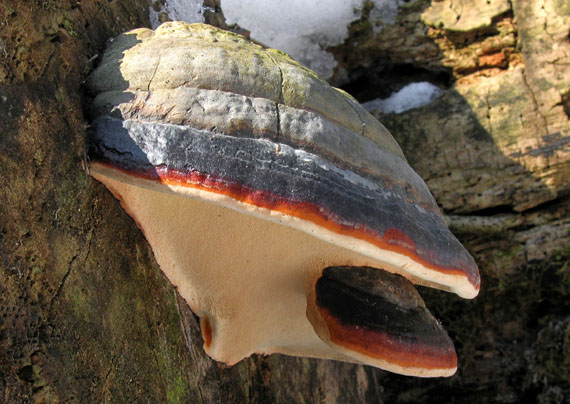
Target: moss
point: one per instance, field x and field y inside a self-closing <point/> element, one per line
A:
<point x="562" y="260"/>
<point x="415" y="6"/>
<point x="177" y="392"/>
<point x="81" y="306"/>
<point x="245" y="382"/>
<point x="550" y="362"/>
<point x="68" y="26"/>
<point x="362" y="27"/>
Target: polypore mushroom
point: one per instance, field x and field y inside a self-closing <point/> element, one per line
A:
<point x="285" y="214"/>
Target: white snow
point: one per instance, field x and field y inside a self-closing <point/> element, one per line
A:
<point x="179" y="10"/>
<point x="301" y="28"/>
<point x="298" y="27"/>
<point x="413" y="95"/>
<point x="384" y="12"/>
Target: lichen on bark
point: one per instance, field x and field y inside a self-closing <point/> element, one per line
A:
<point x="495" y="151"/>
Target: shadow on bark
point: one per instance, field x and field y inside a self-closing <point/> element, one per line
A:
<point x="501" y="335"/>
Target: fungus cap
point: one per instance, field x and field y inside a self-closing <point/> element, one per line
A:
<point x="249" y="176"/>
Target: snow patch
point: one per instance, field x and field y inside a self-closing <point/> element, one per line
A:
<point x="413" y="95"/>
<point x="298" y="27"/>
<point x="384" y="11"/>
<point x="303" y="29"/>
<point x="178" y="10"/>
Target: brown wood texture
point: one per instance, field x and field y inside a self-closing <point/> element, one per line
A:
<point x="85" y="313"/>
<point x="495" y="151"/>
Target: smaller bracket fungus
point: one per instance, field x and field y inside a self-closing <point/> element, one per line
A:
<point x="284" y="213"/>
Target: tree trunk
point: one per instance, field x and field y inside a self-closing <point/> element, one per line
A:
<point x="87" y="316"/>
<point x="495" y="151"/>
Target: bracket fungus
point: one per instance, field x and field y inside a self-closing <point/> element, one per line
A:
<point x="286" y="215"/>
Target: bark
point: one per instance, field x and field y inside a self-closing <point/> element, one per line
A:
<point x="85" y="313"/>
<point x="87" y="316"/>
<point x="495" y="152"/>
